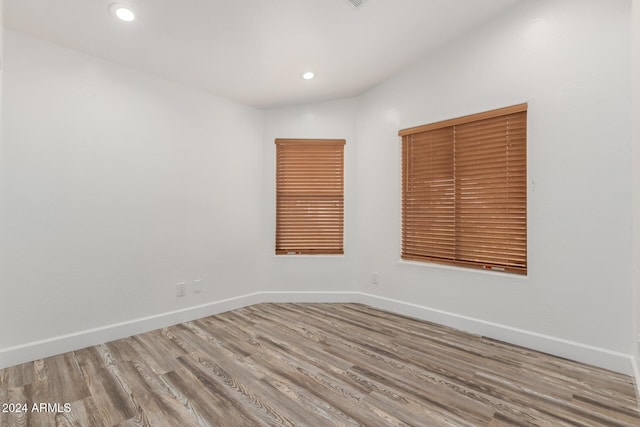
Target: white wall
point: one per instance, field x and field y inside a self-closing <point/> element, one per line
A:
<point x="1" y="68"/>
<point x="4" y="288"/>
<point x="98" y="224"/>
<point x="570" y="61"/>
<point x="115" y="186"/>
<point x="635" y="72"/>
<point x="331" y="120"/>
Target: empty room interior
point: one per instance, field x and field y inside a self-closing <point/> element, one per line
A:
<point x="320" y="212"/>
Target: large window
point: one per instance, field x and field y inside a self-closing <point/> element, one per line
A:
<point x="309" y="196"/>
<point x="464" y="191"/>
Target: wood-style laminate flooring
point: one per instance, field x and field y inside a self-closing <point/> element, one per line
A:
<point x="314" y="365"/>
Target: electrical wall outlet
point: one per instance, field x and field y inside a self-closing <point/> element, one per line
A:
<point x="197" y="286"/>
<point x="375" y="278"/>
<point x="181" y="289"/>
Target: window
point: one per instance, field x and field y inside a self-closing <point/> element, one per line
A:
<point x="309" y="196"/>
<point x="464" y="191"/>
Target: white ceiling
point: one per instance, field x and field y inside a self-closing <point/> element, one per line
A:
<point x="254" y="51"/>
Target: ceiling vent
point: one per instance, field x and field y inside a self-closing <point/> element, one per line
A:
<point x="356" y="3"/>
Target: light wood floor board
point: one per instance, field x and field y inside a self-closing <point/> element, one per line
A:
<point x="313" y="365"/>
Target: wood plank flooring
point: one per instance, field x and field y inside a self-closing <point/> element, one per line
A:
<point x="313" y="365"/>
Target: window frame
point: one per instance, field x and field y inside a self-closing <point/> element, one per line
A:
<point x="314" y="180"/>
<point x="419" y="206"/>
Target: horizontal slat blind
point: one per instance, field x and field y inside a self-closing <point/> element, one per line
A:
<point x="464" y="192"/>
<point x="428" y="202"/>
<point x="309" y="196"/>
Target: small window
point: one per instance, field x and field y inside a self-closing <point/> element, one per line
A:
<point x="464" y="191"/>
<point x="309" y="196"/>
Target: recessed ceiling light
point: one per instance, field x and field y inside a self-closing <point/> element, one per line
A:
<point x="308" y="75"/>
<point x="122" y="12"/>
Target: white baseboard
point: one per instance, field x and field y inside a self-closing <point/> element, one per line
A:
<point x="320" y="296"/>
<point x="61" y="344"/>
<point x="603" y="358"/>
<point x="615" y="361"/>
<point x="635" y="365"/>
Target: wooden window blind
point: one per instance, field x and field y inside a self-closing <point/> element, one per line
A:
<point x="464" y="191"/>
<point x="309" y="196"/>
